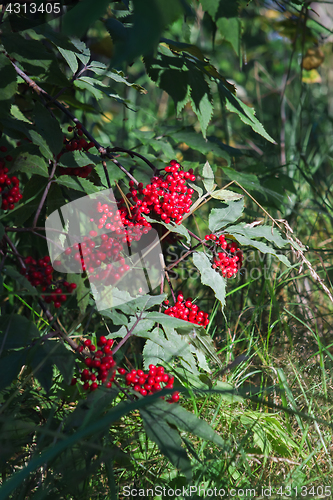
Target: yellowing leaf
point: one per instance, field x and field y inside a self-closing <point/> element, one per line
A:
<point x="313" y="58"/>
<point x="311" y="76"/>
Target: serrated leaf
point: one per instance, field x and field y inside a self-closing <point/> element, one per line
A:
<point x="37" y="139"/>
<point x="165" y="319"/>
<point x="226" y="195"/>
<point x="77" y="159"/>
<point x="30" y="163"/>
<point x="220" y="217"/>
<point x="17" y="113"/>
<point x="201" y="98"/>
<point x="70" y="58"/>
<point x="16" y="331"/>
<point x="209" y="276"/>
<point x="78" y="184"/>
<point x="260" y="231"/>
<point x="116" y="317"/>
<point x="230" y="30"/>
<point x="81" y="291"/>
<point x="179" y="229"/>
<point x="245" y="113"/>
<point x="159" y="350"/>
<point x="208" y="177"/>
<point x="196" y="188"/>
<point x="81" y="84"/>
<point x="245" y="234"/>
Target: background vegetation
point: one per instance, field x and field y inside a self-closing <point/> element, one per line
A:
<point x="248" y="88"/>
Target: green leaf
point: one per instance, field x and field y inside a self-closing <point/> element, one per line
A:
<point x="20" y="279"/>
<point x="196" y="188"/>
<point x="30" y="163"/>
<point x="167" y="440"/>
<point x="201" y="98"/>
<point x="70" y="58"/>
<point x="249" y="181"/>
<point x="209" y="276"/>
<point x="60" y="356"/>
<point x="260" y="231"/>
<point x="226" y="195"/>
<point x="116" y="317"/>
<point x="245" y="113"/>
<point x="17" y="113"/>
<point x="78" y="184"/>
<point x="82" y="84"/>
<point x="208" y="177"/>
<point x="176" y="415"/>
<point x="81" y="291"/>
<point x="177" y="228"/>
<point x="32" y="54"/>
<point x="230" y="30"/>
<point x="198" y="143"/>
<point x="16" y="331"/>
<point x="149" y="19"/>
<point x="77" y="20"/>
<point x="77" y="159"/>
<point x="37" y="139"/>
<point x="165" y="319"/>
<point x="10" y="366"/>
<point x="244" y="235"/>
<point x="8" y="84"/>
<point x="220" y="8"/>
<point x="220" y="217"/>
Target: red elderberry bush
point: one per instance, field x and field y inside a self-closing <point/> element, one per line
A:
<point x="227" y="257"/>
<point x="9" y="186"/>
<point x="185" y="309"/>
<point x="40" y="273"/>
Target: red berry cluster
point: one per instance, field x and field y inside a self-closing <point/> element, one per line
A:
<point x="107" y="249"/>
<point x="93" y="252"/>
<point x="101" y="370"/>
<point x="186" y="310"/>
<point x="149" y="383"/>
<point x="10" y="195"/>
<point x="228" y="260"/>
<point x="78" y="172"/>
<point x="166" y="196"/>
<point x="100" y="366"/>
<point x="40" y="273"/>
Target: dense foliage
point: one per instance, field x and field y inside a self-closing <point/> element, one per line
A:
<point x="199" y="133"/>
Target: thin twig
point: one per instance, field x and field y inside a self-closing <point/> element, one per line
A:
<point x="128" y="334"/>
<point x="46" y="190"/>
<point x="102" y="151"/>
